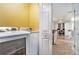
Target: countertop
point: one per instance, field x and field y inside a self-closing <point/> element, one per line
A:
<point x="12" y="33"/>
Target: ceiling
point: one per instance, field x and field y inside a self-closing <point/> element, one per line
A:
<point x="62" y="11"/>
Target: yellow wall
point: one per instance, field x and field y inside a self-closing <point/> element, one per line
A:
<point x="19" y="15"/>
<point x="15" y="15"/>
<point x="34" y="17"/>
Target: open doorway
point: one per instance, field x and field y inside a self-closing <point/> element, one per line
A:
<point x="63" y="43"/>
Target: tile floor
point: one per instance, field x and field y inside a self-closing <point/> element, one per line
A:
<point x="63" y="47"/>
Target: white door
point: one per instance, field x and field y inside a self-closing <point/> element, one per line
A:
<point x="76" y="32"/>
<point x="45" y="32"/>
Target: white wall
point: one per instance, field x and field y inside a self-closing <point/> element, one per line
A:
<point x="33" y="43"/>
<point x="34" y="47"/>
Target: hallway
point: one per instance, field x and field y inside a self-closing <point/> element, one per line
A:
<point x="63" y="47"/>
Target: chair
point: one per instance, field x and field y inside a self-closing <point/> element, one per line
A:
<point x="24" y="28"/>
<point x="14" y="28"/>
